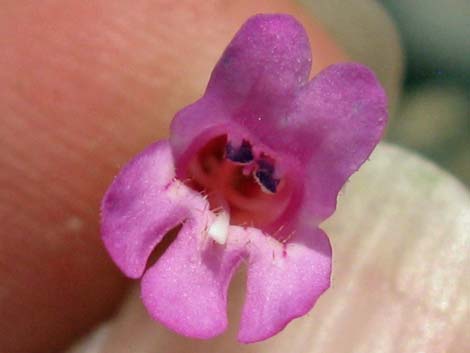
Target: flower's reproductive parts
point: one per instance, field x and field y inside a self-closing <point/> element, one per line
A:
<point x="244" y="185"/>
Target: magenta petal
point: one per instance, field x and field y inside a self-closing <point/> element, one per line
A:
<point x="137" y="211"/>
<point x="267" y="60"/>
<point x="339" y="118"/>
<point x="251" y="87"/>
<point x="284" y="281"/>
<point x="187" y="288"/>
<point x="207" y="115"/>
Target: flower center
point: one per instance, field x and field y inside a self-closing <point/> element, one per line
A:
<point x="241" y="182"/>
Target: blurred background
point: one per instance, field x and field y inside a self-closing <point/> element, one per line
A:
<point x="421" y="54"/>
<point x="433" y="115"/>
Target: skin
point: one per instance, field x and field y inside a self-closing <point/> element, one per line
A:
<point x="85" y="86"/>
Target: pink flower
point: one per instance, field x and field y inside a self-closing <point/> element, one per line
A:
<point x="249" y="172"/>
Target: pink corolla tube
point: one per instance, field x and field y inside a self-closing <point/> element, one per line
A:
<point x="249" y="172"/>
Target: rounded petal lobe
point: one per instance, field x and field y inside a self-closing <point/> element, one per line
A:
<point x="284" y="281"/>
<point x="186" y="289"/>
<point x="266" y="61"/>
<point x="140" y="207"/>
<point x="339" y="118"/>
<point x="252" y="85"/>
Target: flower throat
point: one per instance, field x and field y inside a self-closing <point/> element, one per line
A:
<point x="240" y="182"/>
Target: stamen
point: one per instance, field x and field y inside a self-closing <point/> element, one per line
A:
<point x="242" y="155"/>
<point x="266" y="181"/>
<point x="264" y="176"/>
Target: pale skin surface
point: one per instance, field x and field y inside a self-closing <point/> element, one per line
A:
<point x="400" y="275"/>
<point x="84" y="86"/>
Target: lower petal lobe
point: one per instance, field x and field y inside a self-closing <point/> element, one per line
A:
<point x="284" y="280"/>
<point x="138" y="210"/>
<point x="187" y="288"/>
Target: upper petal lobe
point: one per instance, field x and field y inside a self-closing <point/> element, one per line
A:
<point x="266" y="61"/>
<point x="252" y="85"/>
<point x="338" y="119"/>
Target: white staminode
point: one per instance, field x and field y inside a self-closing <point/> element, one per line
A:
<point x="219" y="228"/>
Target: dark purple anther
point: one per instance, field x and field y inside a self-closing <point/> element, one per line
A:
<point x="242" y="154"/>
<point x="264" y="175"/>
<point x="267" y="181"/>
<point x="265" y="165"/>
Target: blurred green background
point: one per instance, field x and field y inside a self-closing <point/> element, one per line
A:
<point x="433" y="114"/>
<point x="427" y="44"/>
